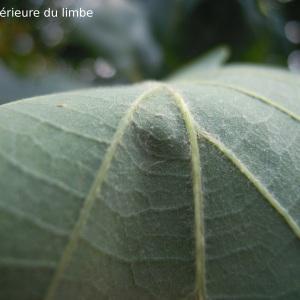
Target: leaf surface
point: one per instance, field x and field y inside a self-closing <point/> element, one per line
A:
<point x="173" y="190"/>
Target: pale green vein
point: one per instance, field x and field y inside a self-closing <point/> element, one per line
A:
<point x="276" y="74"/>
<point x="131" y="260"/>
<point x="26" y="263"/>
<point x="32" y="220"/>
<point x="40" y="177"/>
<point x="256" y="183"/>
<point x="52" y="125"/>
<point x="281" y="76"/>
<point x="45" y="151"/>
<point x="92" y="195"/>
<point x="247" y="92"/>
<point x="148" y="170"/>
<point x="197" y="193"/>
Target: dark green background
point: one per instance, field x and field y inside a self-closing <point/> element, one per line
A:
<point x="133" y="40"/>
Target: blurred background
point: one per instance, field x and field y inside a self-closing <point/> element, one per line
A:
<point x="132" y="40"/>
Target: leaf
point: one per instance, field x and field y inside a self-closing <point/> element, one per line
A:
<point x="211" y="60"/>
<point x="120" y="31"/>
<point x="13" y="87"/>
<point x="178" y="190"/>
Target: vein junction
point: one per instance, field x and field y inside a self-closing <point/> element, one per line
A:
<point x="192" y="131"/>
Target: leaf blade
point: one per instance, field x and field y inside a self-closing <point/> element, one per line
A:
<point x="233" y="158"/>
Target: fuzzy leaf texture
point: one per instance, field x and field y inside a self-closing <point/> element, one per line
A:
<point x="184" y="189"/>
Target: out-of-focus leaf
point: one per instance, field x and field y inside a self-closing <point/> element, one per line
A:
<point x="266" y="22"/>
<point x="120" y="30"/>
<point x="13" y="87"/>
<point x="165" y="14"/>
<point x="211" y="60"/>
<point x="156" y="191"/>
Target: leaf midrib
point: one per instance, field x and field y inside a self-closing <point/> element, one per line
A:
<point x="198" y="196"/>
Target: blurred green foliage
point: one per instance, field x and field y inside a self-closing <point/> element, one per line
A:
<point x="132" y="40"/>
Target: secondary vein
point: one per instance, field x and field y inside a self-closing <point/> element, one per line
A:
<point x="256" y="183"/>
<point x="197" y="192"/>
<point x="93" y="193"/>
<point x="251" y="94"/>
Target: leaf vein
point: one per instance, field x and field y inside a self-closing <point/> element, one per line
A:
<point x="197" y="191"/>
<point x="250" y="176"/>
<point x="94" y="191"/>
<point x="252" y="95"/>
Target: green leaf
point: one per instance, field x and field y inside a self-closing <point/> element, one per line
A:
<point x="178" y="190"/>
<point x="122" y="33"/>
<point x="212" y="60"/>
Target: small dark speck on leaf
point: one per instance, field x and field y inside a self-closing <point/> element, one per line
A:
<point x="61" y="105"/>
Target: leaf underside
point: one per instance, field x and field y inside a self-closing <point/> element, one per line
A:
<point x="175" y="190"/>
